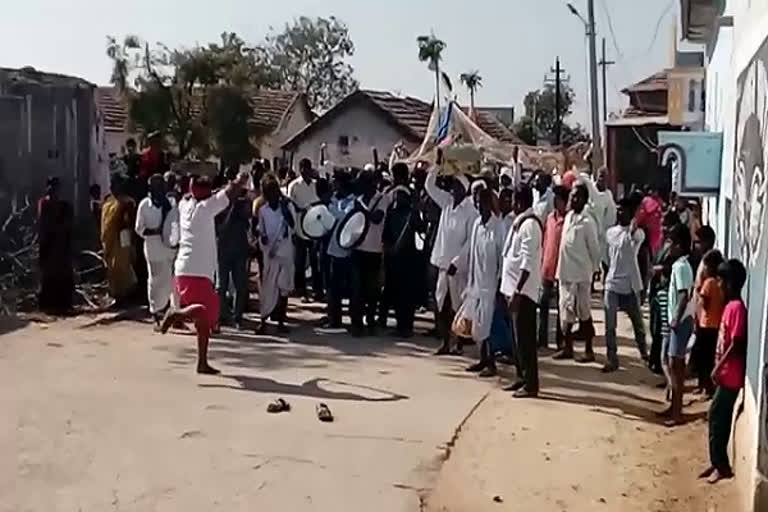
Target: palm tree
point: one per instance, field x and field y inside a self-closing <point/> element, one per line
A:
<point x="120" y="53"/>
<point x="472" y="81"/>
<point x="430" y="50"/>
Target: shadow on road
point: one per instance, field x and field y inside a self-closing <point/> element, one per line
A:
<point x="310" y="389"/>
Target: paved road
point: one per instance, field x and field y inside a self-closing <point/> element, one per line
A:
<point x="113" y="417"/>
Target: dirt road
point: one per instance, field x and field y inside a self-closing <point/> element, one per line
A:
<point x="112" y="417"/>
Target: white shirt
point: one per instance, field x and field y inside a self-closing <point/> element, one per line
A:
<point x="273" y="225"/>
<point x="544" y="204"/>
<point x="508" y="221"/>
<point x="197" y="246"/>
<point x="372" y="241"/>
<point x="302" y="194"/>
<point x="623" y="271"/>
<point x="522" y="251"/>
<point x="603" y="209"/>
<point x="455" y="228"/>
<point x="579" y="249"/>
<point x="149" y="216"/>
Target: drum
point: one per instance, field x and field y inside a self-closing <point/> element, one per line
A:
<point x="353" y="229"/>
<point x="317" y="221"/>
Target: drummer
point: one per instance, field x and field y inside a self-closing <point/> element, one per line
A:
<point x="302" y="192"/>
<point x="401" y="259"/>
<point x="342" y="202"/>
<point x="366" y="257"/>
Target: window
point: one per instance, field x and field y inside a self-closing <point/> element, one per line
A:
<point x="343" y="144"/>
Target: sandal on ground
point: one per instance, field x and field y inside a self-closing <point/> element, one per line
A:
<point x="562" y="355"/>
<point x="443" y="351"/>
<point x="588" y="357"/>
<point x="279" y="405"/>
<point x="707" y="472"/>
<point x="324" y="413"/>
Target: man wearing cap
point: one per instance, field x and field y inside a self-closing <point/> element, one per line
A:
<point x="451" y="250"/>
<point x="302" y="192"/>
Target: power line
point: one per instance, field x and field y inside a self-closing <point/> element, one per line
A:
<point x="658" y="26"/>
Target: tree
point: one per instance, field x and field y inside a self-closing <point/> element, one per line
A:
<point x="124" y="58"/>
<point x="540" y="118"/>
<point x="525" y="130"/>
<point x="430" y="51"/>
<point x="472" y="81"/>
<point x="309" y="56"/>
<point x="187" y="95"/>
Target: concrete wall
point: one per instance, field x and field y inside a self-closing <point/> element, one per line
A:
<point x="364" y="130"/>
<point x="270" y="145"/>
<point x="46" y="131"/>
<point x="737" y="105"/>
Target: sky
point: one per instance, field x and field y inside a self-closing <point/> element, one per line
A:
<point x="513" y="43"/>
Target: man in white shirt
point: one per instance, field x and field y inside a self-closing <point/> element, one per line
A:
<point x="450" y="253"/>
<point x="302" y="192"/>
<point x="544" y="200"/>
<point x="152" y="213"/>
<point x="579" y="260"/>
<point x="275" y="226"/>
<point x="623" y="282"/>
<point x="480" y="296"/>
<point x="197" y="260"/>
<point x="366" y="257"/>
<point x="603" y="210"/>
<point x="520" y="283"/>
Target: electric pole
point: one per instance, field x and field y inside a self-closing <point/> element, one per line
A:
<point x="597" y="147"/>
<point x="557" y="70"/>
<point x="604" y="65"/>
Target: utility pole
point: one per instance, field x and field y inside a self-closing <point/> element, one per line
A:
<point x="597" y="146"/>
<point x="604" y="64"/>
<point x="557" y="70"/>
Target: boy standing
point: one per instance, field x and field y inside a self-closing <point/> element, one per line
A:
<point x="680" y="319"/>
<point x="729" y="369"/>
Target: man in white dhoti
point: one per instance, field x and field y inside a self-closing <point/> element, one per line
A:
<point x="579" y="259"/>
<point x="480" y="295"/>
<point x="152" y="213"/>
<point x="450" y="253"/>
<point x="275" y="227"/>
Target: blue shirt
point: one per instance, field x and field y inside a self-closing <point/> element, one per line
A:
<point x="339" y="208"/>
<point x="680" y="280"/>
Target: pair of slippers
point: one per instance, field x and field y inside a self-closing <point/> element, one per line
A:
<point x="324" y="413"/>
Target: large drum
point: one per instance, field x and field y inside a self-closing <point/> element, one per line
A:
<point x="353" y="229"/>
<point x="317" y="221"/>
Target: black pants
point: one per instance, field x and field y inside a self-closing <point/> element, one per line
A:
<point x="548" y="293"/>
<point x="366" y="287"/>
<point x="703" y="355"/>
<point x="338" y="288"/>
<point x="401" y="289"/>
<point x="524" y="321"/>
<point x="720" y="421"/>
<point x="306" y="248"/>
<point x="235" y="267"/>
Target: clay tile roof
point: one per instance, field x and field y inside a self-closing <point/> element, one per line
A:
<point x="410" y="114"/>
<point x="493" y="127"/>
<point x="655" y="82"/>
<point x="112" y="108"/>
<point x="269" y="107"/>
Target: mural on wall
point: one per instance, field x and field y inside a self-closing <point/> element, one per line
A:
<point x="748" y="220"/>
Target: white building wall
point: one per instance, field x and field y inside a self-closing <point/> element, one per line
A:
<point x="364" y="130"/>
<point x="720" y="117"/>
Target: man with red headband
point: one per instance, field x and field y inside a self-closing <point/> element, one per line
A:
<point x="196" y="261"/>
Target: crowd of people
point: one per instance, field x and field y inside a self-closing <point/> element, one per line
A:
<point x="489" y="257"/>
